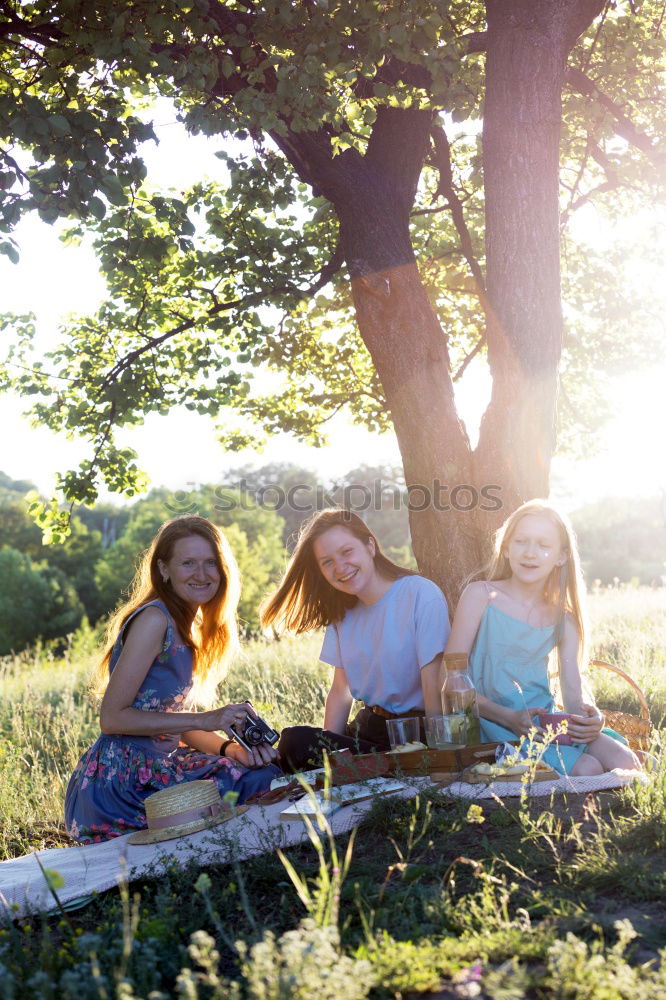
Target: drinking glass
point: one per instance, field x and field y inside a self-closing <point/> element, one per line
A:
<point x="446" y="732"/>
<point x="402" y="731"/>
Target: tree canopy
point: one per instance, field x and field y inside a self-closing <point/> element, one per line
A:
<point x="357" y="139"/>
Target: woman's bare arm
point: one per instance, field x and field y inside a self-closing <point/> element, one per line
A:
<point x="144" y="641"/>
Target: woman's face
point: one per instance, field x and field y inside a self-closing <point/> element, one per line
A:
<point x="345" y="561"/>
<point x="192" y="570"/>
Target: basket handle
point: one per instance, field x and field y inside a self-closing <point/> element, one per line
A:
<point x="645" y="711"/>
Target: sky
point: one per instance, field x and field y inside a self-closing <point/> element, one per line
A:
<point x="181" y="450"/>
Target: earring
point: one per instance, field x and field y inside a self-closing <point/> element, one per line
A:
<point x="165" y="579"/>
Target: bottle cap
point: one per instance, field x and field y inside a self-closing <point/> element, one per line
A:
<point x="456" y="661"/>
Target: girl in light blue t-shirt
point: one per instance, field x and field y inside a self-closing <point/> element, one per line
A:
<point x="386" y="629"/>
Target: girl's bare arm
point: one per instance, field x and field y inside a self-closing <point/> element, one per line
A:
<point x="467" y="618"/>
<point x="338" y="703"/>
<point x="587" y="722"/>
<point x="431" y="686"/>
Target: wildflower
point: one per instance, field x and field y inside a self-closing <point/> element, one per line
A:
<point x="475" y="814"/>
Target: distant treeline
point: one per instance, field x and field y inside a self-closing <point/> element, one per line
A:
<point x="47" y="591"/>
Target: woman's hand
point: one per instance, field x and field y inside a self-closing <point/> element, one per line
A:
<point x="227" y="716"/>
<point x="236" y="716"/>
<point x="258" y="756"/>
<point x="585" y="726"/>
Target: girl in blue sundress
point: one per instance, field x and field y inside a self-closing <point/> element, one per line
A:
<point x="530" y="604"/>
<point x="168" y="646"/>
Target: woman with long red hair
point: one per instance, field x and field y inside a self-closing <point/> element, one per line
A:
<point x="167" y="648"/>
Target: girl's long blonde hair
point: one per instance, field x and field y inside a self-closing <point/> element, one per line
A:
<point x="564" y="589"/>
<point x="212" y="633"/>
<point x="305" y="600"/>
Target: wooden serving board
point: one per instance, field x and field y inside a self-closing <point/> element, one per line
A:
<point x="448" y="761"/>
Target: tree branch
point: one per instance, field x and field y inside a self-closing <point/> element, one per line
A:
<point x="612" y="180"/>
<point x="43" y="34"/>
<point x="445" y="187"/>
<point x="469" y="357"/>
<point x="124" y="363"/>
<point x="624" y="126"/>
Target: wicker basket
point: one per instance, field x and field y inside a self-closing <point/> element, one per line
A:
<point x="636" y="729"/>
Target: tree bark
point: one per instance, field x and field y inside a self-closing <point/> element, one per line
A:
<point x="528" y="42"/>
<point x="409" y="350"/>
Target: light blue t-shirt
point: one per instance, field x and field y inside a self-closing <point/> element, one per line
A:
<point x="382" y="647"/>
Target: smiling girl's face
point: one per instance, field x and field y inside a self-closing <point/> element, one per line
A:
<point x="535" y="549"/>
<point x="348" y="563"/>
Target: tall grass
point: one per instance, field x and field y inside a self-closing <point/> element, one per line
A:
<point x="628" y="629"/>
<point x="501" y="900"/>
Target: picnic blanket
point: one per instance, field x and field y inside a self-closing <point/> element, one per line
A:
<point x="97" y="867"/>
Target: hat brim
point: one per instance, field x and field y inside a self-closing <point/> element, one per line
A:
<point x="184" y="829"/>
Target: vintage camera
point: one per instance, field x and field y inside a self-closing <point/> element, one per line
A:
<point x="254" y="732"/>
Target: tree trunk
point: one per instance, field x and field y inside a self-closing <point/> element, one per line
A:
<point x="409" y="350"/>
<point x="528" y="42"/>
<point x="407" y="344"/>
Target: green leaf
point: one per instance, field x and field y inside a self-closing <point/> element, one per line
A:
<point x="10" y="251"/>
<point x="114" y="190"/>
<point x="97" y="207"/>
<point x="59" y="124"/>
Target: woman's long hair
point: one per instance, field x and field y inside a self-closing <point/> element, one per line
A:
<point x="564" y="589"/>
<point x="212" y="633"/>
<point x="305" y="600"/>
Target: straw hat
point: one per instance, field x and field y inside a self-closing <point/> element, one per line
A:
<point x="183" y="809"/>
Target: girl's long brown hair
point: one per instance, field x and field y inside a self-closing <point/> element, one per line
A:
<point x="305" y="600"/>
<point x="211" y="634"/>
<point x="564" y="588"/>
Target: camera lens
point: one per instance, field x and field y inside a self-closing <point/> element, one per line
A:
<point x="253" y="735"/>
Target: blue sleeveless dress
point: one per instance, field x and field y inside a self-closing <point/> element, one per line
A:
<point x="107" y="790"/>
<point x="509" y="665"/>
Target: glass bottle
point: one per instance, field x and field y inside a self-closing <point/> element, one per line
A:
<point x="459" y="695"/>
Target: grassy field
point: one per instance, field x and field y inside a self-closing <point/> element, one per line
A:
<point x="488" y="900"/>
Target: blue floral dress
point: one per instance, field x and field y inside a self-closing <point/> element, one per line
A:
<point x="106" y="792"/>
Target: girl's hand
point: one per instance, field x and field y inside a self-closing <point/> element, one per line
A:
<point x="585" y="726"/>
<point x="521" y="721"/>
<point x="258" y="756"/>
